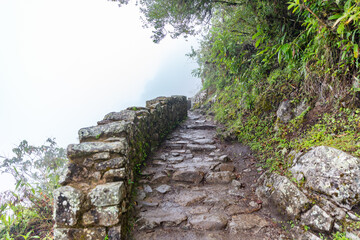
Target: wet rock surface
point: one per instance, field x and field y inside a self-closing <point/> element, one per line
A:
<point x="332" y="172"/>
<point x="323" y="193"/>
<point x="195" y="187"/>
<point x="284" y="194"/>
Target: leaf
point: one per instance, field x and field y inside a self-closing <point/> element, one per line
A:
<point x="279" y="57"/>
<point x="341" y="29"/>
<point x="336" y="16"/>
<point x="18" y="184"/>
<point x="337" y="21"/>
<point x="256" y="35"/>
<point x="347" y="5"/>
<point x="258" y="42"/>
<point x="297" y="7"/>
<point x="291" y="5"/>
<point x="343" y="55"/>
<point x="356" y="51"/>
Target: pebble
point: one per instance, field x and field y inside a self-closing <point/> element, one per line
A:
<point x="224" y="158"/>
<point x="253" y="204"/>
<point x="147" y="189"/>
<point x="141" y="195"/>
<point x="163" y="188"/>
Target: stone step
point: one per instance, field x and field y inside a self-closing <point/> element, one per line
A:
<point x="210" y="221"/>
<point x="201" y="147"/>
<point x="201" y="126"/>
<point x="168" y="217"/>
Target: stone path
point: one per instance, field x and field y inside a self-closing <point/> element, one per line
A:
<point x="195" y="187"/>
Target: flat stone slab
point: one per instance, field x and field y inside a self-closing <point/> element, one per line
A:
<point x="216" y="221"/>
<point x="243" y="222"/>
<point x="173" y="145"/>
<point x="114" y="129"/>
<point x="204" y="141"/>
<point x="178" y="159"/>
<point x="165" y="217"/>
<point x="219" y="177"/>
<point x="148" y="204"/>
<point x="124" y="115"/>
<point x="201" y="147"/>
<point x="187" y="198"/>
<point x="160" y="178"/>
<point x="201" y="126"/>
<point x="101" y="156"/>
<point x="88" y="148"/>
<point x="192" y="176"/>
<point x="199" y="166"/>
<point x="111" y="164"/>
<point x="198" y="210"/>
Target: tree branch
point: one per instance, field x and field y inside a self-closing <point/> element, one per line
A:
<point x="316" y="16"/>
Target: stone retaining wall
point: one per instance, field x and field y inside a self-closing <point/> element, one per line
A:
<point x="96" y="187"/>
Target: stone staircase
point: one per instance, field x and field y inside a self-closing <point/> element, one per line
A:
<point x="195" y="187"/>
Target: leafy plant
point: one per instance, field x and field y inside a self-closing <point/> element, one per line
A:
<point x="26" y="212"/>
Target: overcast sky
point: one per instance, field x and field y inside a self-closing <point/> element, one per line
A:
<point x="65" y="64"/>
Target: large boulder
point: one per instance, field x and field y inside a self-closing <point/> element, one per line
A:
<point x="282" y="193"/>
<point x="331" y="172"/>
<point x="288" y="110"/>
<point x="318" y="219"/>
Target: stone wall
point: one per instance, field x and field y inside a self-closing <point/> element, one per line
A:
<point x="96" y="187"/>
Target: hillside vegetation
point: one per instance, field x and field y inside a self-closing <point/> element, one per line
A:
<point x="256" y="55"/>
<point x="27" y="211"/>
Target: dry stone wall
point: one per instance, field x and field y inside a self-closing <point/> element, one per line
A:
<point x="96" y="187"/>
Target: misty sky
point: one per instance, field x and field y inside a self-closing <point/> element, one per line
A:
<point x="65" y="64"/>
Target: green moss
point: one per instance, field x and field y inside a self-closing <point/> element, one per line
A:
<point x="339" y="129"/>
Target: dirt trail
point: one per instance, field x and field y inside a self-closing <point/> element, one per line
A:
<point x="195" y="187"/>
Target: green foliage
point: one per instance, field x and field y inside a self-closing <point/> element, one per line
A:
<point x="340" y="236"/>
<point x="182" y="16"/>
<point x="338" y="129"/>
<point x="26" y="213"/>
